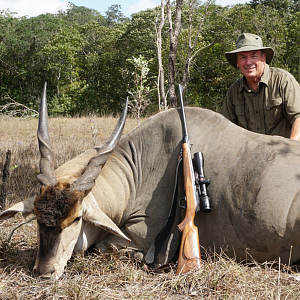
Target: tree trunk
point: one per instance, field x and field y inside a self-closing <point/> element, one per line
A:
<point x="192" y="53"/>
<point x="5" y="180"/>
<point x="174" y="36"/>
<point x="161" y="74"/>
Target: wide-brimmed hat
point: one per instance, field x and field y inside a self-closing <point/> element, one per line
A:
<point x="249" y="42"/>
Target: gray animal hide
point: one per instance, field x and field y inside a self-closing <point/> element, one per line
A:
<point x="254" y="187"/>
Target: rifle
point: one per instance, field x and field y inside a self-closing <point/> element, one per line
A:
<point x="189" y="253"/>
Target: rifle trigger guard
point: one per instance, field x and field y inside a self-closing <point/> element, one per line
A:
<point x="183" y="206"/>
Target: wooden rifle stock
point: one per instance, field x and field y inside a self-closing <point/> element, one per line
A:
<point x="189" y="252"/>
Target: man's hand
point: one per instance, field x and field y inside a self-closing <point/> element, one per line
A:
<point x="295" y="131"/>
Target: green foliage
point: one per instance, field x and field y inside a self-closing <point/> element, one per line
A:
<point x="61" y="53"/>
<point x="141" y="86"/>
<point x="82" y="55"/>
<point x="59" y="105"/>
<point x="139" y="38"/>
<point x="81" y="15"/>
<point x="292" y="58"/>
<point x="283" y="6"/>
<point x="114" y="15"/>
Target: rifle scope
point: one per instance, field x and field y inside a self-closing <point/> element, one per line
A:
<point x="202" y="183"/>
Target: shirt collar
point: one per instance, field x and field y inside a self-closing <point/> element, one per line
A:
<point x="266" y="75"/>
<point x="264" y="78"/>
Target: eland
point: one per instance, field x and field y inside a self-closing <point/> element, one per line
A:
<point x="119" y="195"/>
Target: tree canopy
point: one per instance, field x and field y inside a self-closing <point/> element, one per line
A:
<point x="86" y="58"/>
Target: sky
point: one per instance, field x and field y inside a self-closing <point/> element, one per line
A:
<point x="32" y="8"/>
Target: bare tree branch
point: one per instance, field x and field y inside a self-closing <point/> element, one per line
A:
<point x="193" y="44"/>
<point x="15" y="109"/>
<point x="18" y="226"/>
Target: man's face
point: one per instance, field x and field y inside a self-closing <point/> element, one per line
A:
<point x="251" y="63"/>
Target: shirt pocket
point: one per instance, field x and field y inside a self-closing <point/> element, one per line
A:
<point x="241" y="115"/>
<point x="274" y="109"/>
<point x="240" y="110"/>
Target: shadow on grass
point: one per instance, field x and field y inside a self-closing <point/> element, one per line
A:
<point x="17" y="255"/>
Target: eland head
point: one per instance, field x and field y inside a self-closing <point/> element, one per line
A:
<point x="59" y="207"/>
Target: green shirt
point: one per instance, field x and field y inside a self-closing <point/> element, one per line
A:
<point x="271" y="109"/>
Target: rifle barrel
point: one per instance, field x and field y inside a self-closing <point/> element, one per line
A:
<point x="186" y="138"/>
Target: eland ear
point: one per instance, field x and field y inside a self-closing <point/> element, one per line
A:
<point x="93" y="214"/>
<point x="25" y="207"/>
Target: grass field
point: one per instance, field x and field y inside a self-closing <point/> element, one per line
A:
<point x="107" y="276"/>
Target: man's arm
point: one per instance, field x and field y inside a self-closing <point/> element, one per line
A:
<point x="295" y="131"/>
<point x="291" y="97"/>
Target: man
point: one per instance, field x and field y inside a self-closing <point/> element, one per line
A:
<point x="266" y="99"/>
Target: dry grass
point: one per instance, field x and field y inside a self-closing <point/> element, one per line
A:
<point x="106" y="276"/>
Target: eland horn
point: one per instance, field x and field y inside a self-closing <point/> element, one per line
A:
<point x="87" y="180"/>
<point x="46" y="177"/>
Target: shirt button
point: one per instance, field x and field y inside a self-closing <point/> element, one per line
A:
<point x="256" y="112"/>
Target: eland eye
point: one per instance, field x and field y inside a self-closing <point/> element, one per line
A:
<point x="77" y="219"/>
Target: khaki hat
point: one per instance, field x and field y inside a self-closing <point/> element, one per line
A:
<point x="249" y="42"/>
